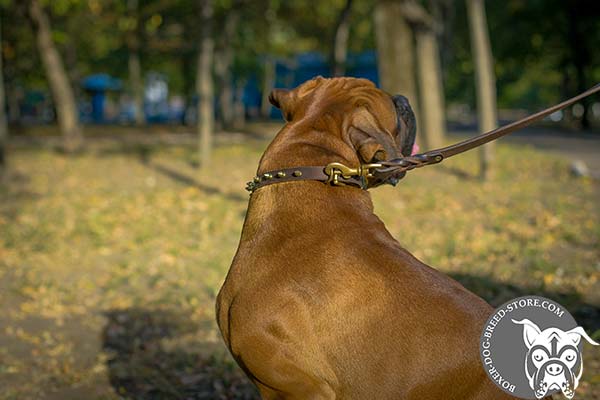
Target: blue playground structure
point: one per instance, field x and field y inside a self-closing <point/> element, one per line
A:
<point x="159" y="107"/>
<point x="291" y="73"/>
<point x="97" y="86"/>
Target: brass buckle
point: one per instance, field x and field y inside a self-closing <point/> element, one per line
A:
<point x="335" y="170"/>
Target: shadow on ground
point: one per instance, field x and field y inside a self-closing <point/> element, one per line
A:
<point x="497" y="293"/>
<point x="187" y="180"/>
<point x="151" y="355"/>
<point x="144" y="154"/>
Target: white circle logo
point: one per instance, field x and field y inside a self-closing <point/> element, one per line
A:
<point x="531" y="348"/>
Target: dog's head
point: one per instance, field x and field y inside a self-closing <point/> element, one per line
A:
<point x="373" y="124"/>
<point x="553" y="360"/>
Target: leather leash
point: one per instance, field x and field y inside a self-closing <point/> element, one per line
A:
<point x="338" y="174"/>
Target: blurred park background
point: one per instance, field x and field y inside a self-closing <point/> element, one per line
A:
<point x="129" y="127"/>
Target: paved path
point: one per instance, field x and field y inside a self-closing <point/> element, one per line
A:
<point x="568" y="144"/>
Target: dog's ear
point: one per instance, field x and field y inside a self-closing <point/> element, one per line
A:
<point x="371" y="141"/>
<point x="283" y="99"/>
<point x="287" y="100"/>
<point x="577" y="333"/>
<point x="369" y="149"/>
<point x="530" y="331"/>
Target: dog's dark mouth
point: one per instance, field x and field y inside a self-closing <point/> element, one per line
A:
<point x="407" y="124"/>
<point x="392" y="179"/>
<point x="405" y="138"/>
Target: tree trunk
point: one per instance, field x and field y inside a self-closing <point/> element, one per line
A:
<point x="395" y="53"/>
<point x="270" y="67"/>
<point x="431" y="91"/>
<point x="443" y="14"/>
<point x="137" y="86"/>
<point x="485" y="79"/>
<point x="14" y="96"/>
<point x="340" y="40"/>
<point x="61" y="89"/>
<point x="240" y="108"/>
<point x="268" y="84"/>
<point x="223" y="68"/>
<point x="566" y="91"/>
<point x="223" y="71"/>
<point x="580" y="58"/>
<point x="3" y="122"/>
<point x="204" y="85"/>
<point x="135" y="70"/>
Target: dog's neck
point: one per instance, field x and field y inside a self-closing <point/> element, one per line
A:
<point x="297" y="207"/>
<point x="306" y="144"/>
<point x="309" y="142"/>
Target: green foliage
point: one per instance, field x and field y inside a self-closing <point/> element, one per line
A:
<point x="537" y="45"/>
<point x="534" y="48"/>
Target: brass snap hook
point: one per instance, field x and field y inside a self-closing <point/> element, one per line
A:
<point x="335" y="170"/>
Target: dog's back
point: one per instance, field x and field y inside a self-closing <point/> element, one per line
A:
<point x="339" y="310"/>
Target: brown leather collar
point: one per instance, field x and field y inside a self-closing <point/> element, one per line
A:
<point x="366" y="175"/>
<point x="301" y="174"/>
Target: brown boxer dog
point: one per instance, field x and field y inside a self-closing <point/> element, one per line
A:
<point x="321" y="302"/>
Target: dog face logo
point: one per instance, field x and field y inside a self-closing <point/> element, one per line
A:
<point x="553" y="361"/>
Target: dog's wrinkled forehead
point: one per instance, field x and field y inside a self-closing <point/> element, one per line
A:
<point x="321" y="93"/>
<point x="345" y="97"/>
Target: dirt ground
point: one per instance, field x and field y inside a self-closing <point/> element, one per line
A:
<point x="110" y="260"/>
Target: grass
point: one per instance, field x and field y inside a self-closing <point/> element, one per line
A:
<point x="110" y="260"/>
